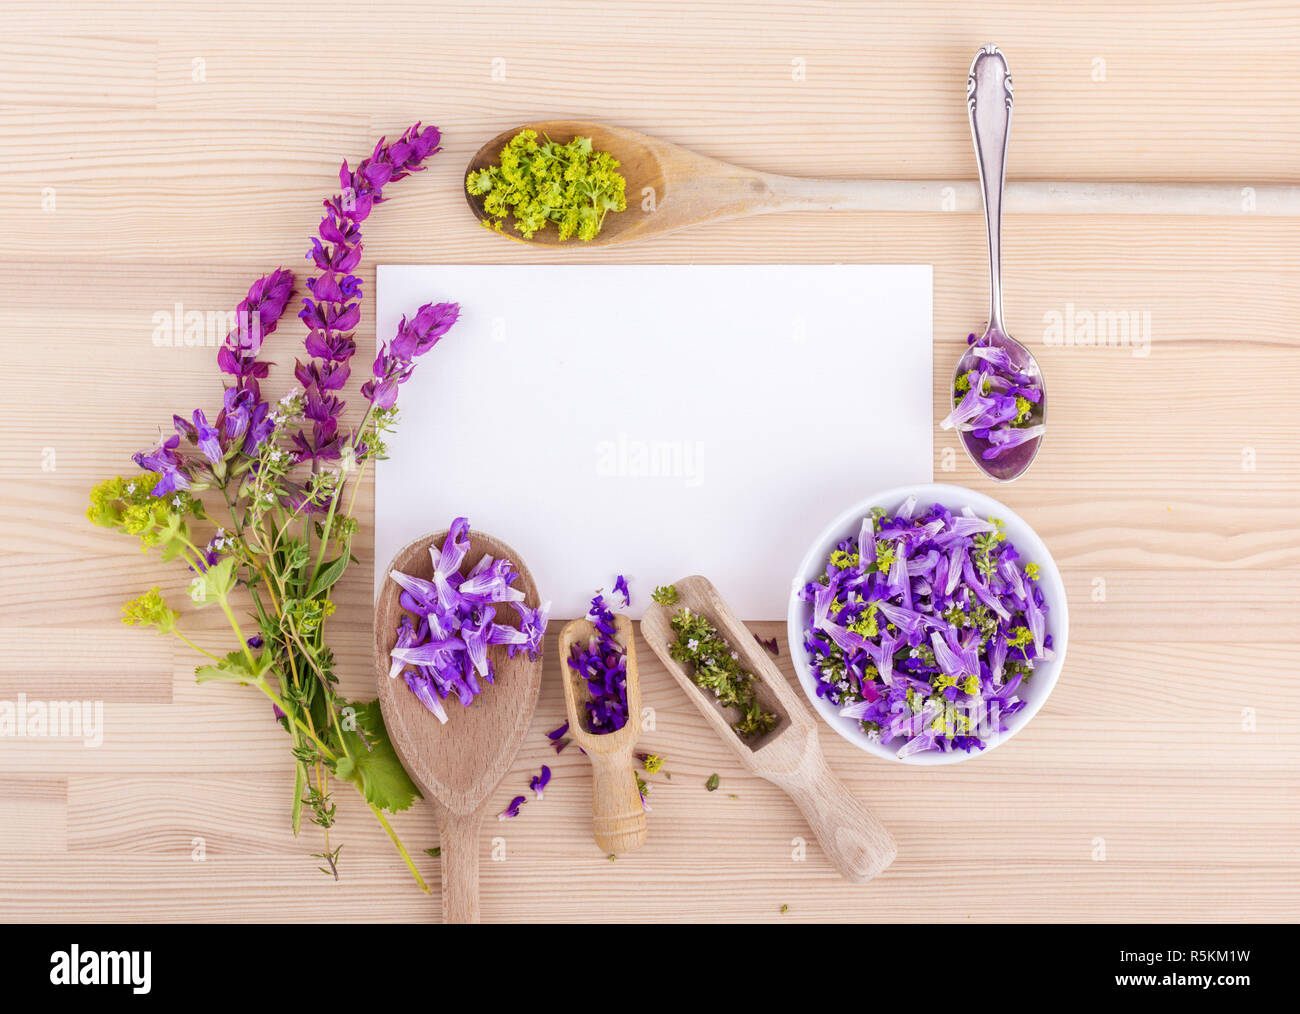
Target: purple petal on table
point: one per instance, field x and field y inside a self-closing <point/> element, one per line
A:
<point x="513" y="809"/>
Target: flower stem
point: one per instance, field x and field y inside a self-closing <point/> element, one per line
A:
<point x="284" y="706"/>
<point x="397" y="842"/>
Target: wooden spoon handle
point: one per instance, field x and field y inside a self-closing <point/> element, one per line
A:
<point x="617" y="814"/>
<point x="1033" y="197"/>
<point x="856" y="843"/>
<point x="459" y="842"/>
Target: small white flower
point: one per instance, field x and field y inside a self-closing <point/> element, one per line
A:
<point x="735" y="657"/>
<point x="176" y="501"/>
<point x="692" y="644"/>
<point x="130" y="488"/>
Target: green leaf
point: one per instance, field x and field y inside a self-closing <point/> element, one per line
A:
<point x="215" y="584"/>
<point x="375" y="770"/>
<point x="234" y="669"/>
<point x="330" y="573"/>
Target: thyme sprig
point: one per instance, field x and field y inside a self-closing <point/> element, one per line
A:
<point x="717" y="668"/>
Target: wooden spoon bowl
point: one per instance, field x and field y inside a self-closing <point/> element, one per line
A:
<point x="457" y="765"/>
<point x="667" y="185"/>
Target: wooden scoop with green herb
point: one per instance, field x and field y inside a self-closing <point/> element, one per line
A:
<point x="744" y="696"/>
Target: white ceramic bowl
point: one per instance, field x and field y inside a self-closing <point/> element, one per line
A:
<point x="1033" y="691"/>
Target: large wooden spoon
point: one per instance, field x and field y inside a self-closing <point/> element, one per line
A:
<point x="789" y="756"/>
<point x="460" y="764"/>
<point x="669" y="187"/>
<point x="617" y="813"/>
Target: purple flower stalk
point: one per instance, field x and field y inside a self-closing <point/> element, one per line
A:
<point x="257" y="316"/>
<point x="396" y="358"/>
<point x="244" y="419"/>
<point x="333" y="309"/>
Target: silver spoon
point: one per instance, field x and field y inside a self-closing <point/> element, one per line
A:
<point x="989" y="99"/>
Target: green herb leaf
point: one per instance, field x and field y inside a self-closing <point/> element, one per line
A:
<point x="665" y="595"/>
<point x="330" y="573"/>
<point x="375" y="768"/>
<point x="712" y="783"/>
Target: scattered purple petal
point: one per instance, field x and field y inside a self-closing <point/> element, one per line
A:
<point x="513" y="809"/>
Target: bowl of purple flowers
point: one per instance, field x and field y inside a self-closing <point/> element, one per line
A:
<point x="928" y="624"/>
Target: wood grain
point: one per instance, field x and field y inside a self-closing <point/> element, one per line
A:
<point x="1160" y="781"/>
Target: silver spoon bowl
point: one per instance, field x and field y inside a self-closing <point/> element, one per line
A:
<point x="989" y="101"/>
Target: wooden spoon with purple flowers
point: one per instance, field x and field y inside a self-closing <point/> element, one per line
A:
<point x="457" y="764"/>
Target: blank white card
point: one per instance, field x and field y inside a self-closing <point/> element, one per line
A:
<point x="656" y="420"/>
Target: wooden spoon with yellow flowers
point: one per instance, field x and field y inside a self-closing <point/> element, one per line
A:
<point x="551" y="182"/>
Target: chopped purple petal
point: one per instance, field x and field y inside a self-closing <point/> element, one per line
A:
<point x="538" y="783"/>
<point x="996" y="403"/>
<point x="602" y="664"/>
<point x="451" y="621"/>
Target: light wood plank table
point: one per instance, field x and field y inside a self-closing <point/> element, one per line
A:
<point x="156" y="154"/>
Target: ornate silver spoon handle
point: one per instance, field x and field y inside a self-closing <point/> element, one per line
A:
<point x="989" y="101"/>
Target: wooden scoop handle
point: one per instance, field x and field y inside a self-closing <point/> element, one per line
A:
<point x="617" y="814"/>
<point x="459" y="841"/>
<point x="856" y="843"/>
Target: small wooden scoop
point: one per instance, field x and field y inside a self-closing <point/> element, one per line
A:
<point x="669" y="187"/>
<point x="789" y="756"/>
<point x="460" y="764"/>
<point x="617" y="813"/>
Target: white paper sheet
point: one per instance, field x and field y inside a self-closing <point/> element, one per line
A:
<point x="656" y="420"/>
